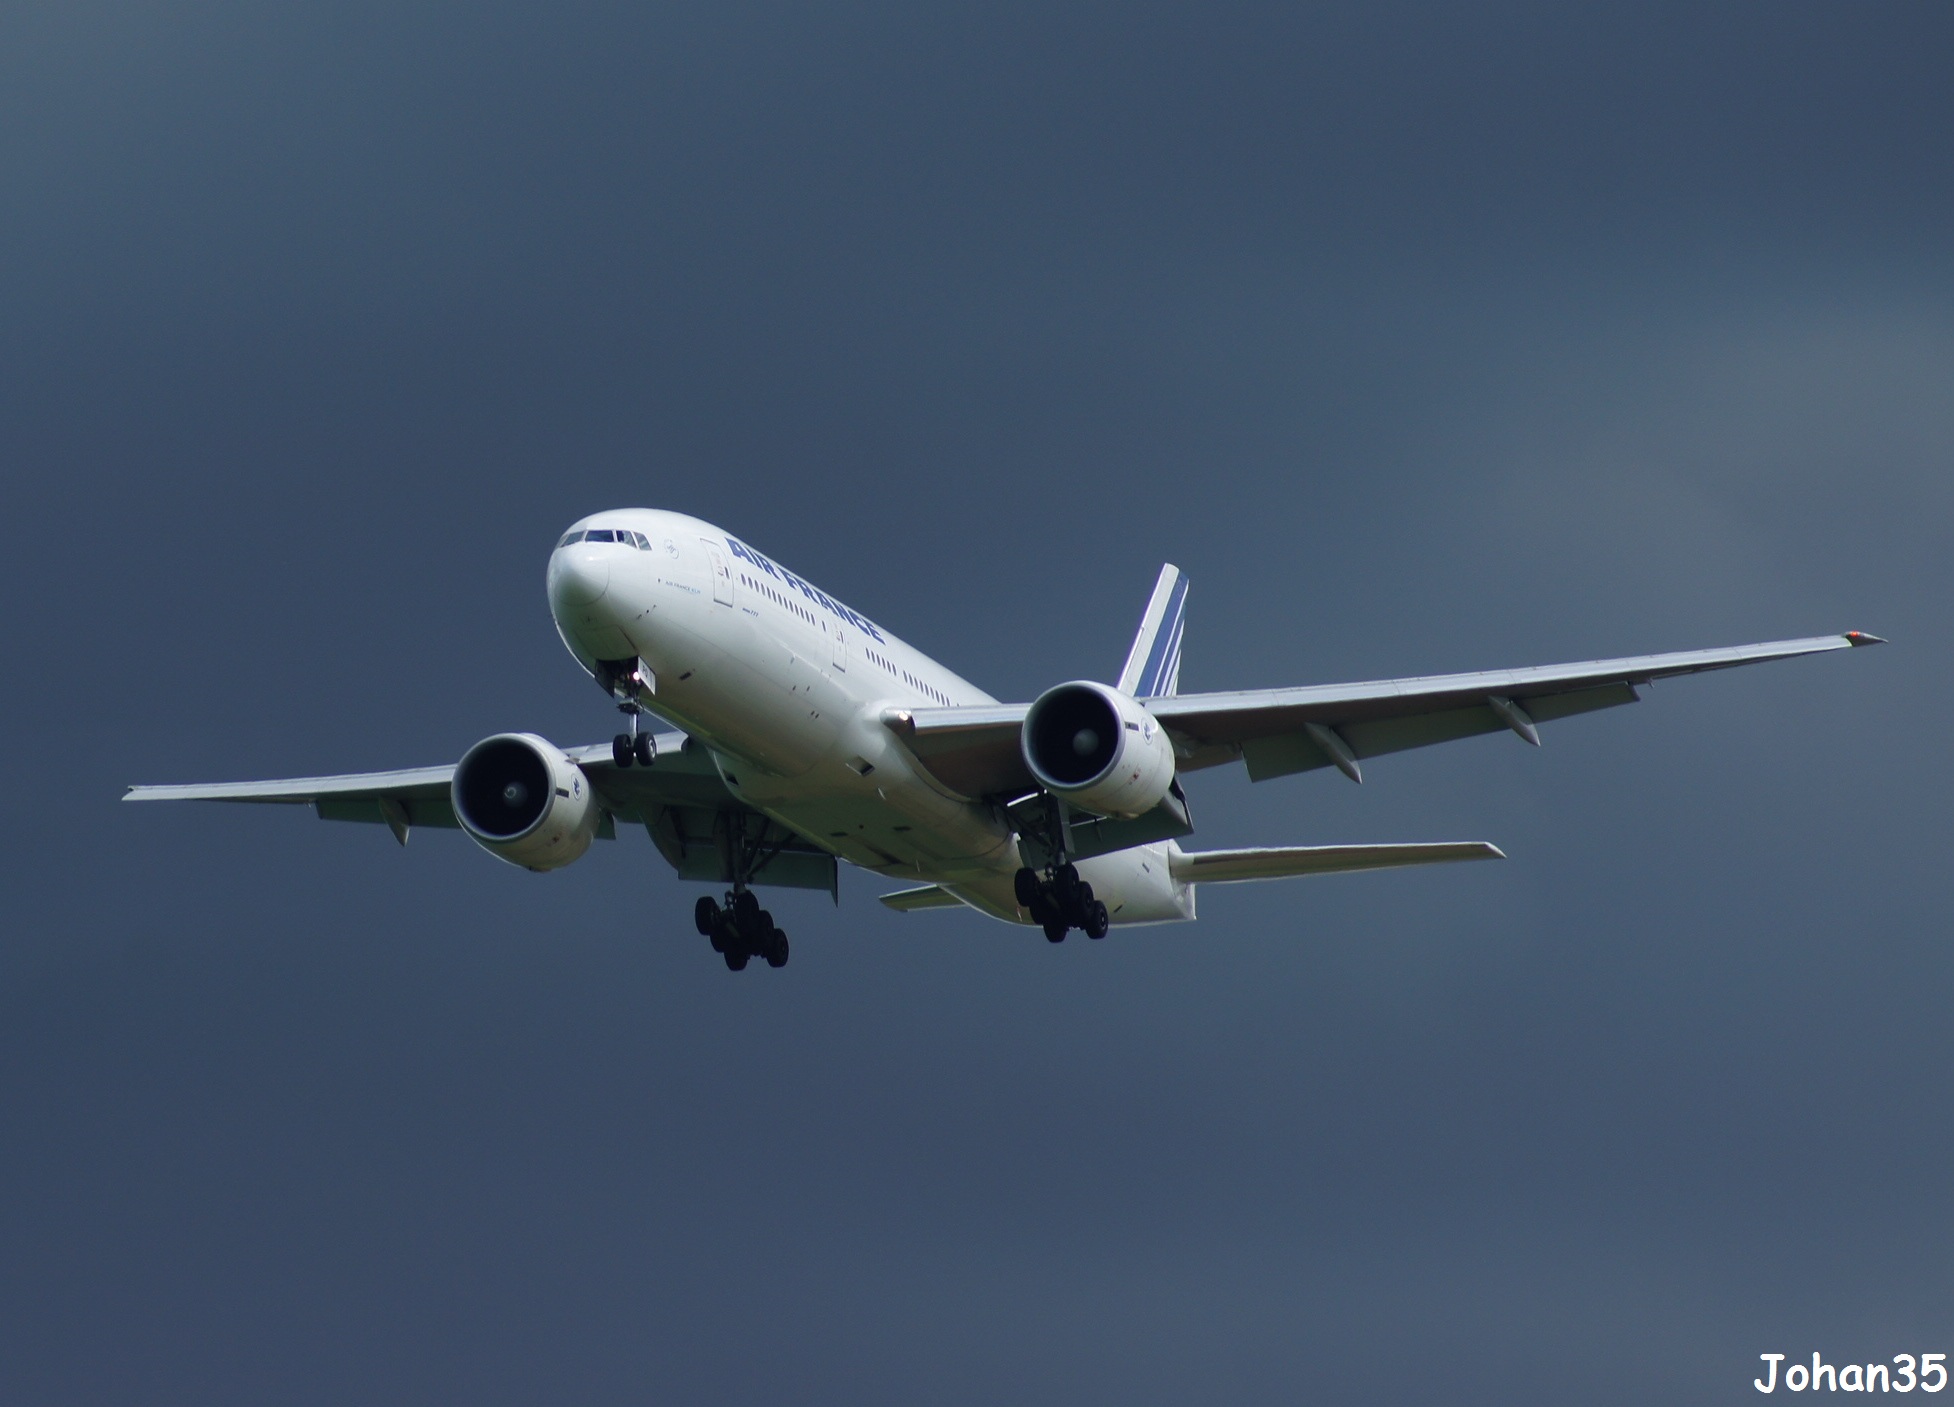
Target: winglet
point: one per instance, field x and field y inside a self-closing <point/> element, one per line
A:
<point x="1860" y="637"/>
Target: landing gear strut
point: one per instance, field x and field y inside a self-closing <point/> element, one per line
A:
<point x="1061" y="901"/>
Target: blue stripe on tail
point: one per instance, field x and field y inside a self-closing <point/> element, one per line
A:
<point x="1161" y="672"/>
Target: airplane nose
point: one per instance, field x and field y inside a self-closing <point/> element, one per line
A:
<point x="579" y="576"/>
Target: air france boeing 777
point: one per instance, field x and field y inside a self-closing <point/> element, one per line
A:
<point x="808" y="734"/>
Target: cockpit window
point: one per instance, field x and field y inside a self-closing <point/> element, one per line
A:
<point x="628" y="536"/>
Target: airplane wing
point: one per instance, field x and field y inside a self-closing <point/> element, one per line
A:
<point x="680" y="800"/>
<point x="974" y="750"/>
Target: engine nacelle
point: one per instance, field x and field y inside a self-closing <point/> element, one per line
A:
<point x="1098" y="749"/>
<point x="524" y="801"/>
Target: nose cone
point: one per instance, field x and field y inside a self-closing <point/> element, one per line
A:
<point x="579" y="576"/>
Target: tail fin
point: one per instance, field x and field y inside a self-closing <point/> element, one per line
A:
<point x="1153" y="665"/>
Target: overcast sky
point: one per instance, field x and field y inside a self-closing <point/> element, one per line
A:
<point x="1424" y="337"/>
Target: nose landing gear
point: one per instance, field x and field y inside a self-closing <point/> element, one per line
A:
<point x="740" y="930"/>
<point x="1060" y="902"/>
<point x="633" y="746"/>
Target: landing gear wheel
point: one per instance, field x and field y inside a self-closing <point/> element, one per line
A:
<point x="1056" y="930"/>
<point x="1097" y="920"/>
<point x="1027" y="888"/>
<point x="736" y="959"/>
<point x="621" y="752"/>
<point x="705" y="915"/>
<point x="744" y="907"/>
<point x="641" y="748"/>
<point x="777" y="949"/>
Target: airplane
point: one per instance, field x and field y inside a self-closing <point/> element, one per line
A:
<point x="803" y="734"/>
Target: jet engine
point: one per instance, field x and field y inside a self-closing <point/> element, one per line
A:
<point x="524" y="801"/>
<point x="1098" y="749"/>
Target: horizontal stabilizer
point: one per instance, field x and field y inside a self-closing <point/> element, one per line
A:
<point x="1228" y="866"/>
<point x="930" y="896"/>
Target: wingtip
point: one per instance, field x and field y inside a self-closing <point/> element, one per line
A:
<point x="1860" y="637"/>
<point x="1493" y="852"/>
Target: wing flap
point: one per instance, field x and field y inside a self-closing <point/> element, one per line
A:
<point x="930" y="896"/>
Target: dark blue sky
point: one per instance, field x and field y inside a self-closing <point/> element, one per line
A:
<point x="1424" y="337"/>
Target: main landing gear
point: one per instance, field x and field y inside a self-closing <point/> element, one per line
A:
<point x="633" y="746"/>
<point x="740" y="930"/>
<point x="1061" y="902"/>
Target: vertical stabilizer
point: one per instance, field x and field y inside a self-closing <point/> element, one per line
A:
<point x="1153" y="665"/>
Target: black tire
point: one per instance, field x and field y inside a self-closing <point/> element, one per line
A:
<point x="745" y="906"/>
<point x="1044" y="911"/>
<point x="1078" y="904"/>
<point x="1097" y="920"/>
<point x="705" y="915"/>
<point x="1065" y="878"/>
<point x="1027" y="888"/>
<point x="763" y="929"/>
<point x="641" y="749"/>
<point x="1056" y="930"/>
<point x="736" y="959"/>
<point x="777" y="950"/>
<point x="621" y="749"/>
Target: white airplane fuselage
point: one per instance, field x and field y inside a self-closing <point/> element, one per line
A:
<point x="787" y="687"/>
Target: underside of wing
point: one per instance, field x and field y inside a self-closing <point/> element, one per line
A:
<point x="402" y="799"/>
<point x="680" y="800"/>
<point x="1279" y="731"/>
<point x="930" y="896"/>
<point x="974" y="751"/>
<point x="698" y="825"/>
